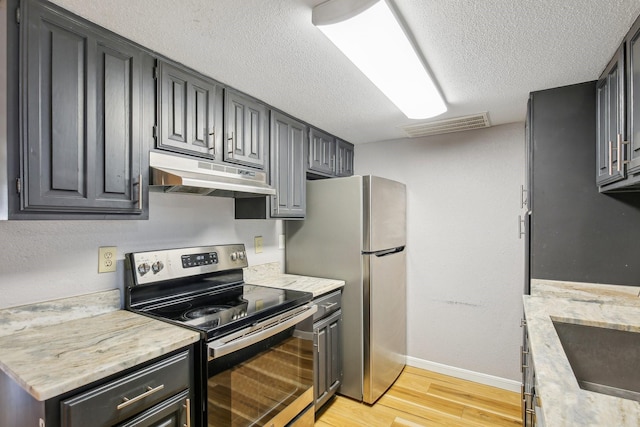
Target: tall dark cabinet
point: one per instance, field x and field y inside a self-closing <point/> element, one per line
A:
<point x="577" y="233"/>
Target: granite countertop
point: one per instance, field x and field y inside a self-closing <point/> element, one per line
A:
<point x="563" y="402"/>
<point x="270" y="275"/>
<point x="74" y="350"/>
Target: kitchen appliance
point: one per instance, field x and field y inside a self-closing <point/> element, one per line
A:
<point x="174" y="173"/>
<point x="256" y="367"/>
<point x="355" y="231"/>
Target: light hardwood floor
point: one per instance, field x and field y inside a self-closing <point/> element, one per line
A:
<point x="424" y="398"/>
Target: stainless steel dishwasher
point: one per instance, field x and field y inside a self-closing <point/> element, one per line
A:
<point x="327" y="343"/>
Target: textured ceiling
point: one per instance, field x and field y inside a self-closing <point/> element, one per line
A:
<point x="487" y="55"/>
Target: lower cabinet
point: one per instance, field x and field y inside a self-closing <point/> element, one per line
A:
<point x="327" y="359"/>
<point x="531" y="412"/>
<point x="328" y="369"/>
<point x="160" y="393"/>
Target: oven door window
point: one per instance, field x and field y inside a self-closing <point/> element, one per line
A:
<point x="254" y="385"/>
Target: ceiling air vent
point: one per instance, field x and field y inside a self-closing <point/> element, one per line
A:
<point x="456" y="124"/>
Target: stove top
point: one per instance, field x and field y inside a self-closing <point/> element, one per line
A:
<point x="217" y="312"/>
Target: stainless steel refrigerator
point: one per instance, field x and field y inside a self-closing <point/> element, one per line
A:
<point x="355" y="230"/>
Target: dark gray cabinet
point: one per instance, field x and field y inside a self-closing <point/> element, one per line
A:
<point x="82" y="104"/>
<point x="328" y="156"/>
<point x="288" y="142"/>
<point x="189" y="111"/>
<point x="322" y="152"/>
<point x="246" y="131"/>
<point x="344" y="155"/>
<point x="327" y="337"/>
<point x="610" y="123"/>
<point x="288" y="145"/>
<point x="618" y="118"/>
<point x="161" y="392"/>
<point x="632" y="61"/>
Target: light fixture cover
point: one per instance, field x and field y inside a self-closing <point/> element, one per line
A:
<point x="375" y="42"/>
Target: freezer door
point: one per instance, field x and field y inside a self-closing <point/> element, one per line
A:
<point x="384" y="212"/>
<point x="385" y="321"/>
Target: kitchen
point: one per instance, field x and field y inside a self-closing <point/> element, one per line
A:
<point x="466" y="263"/>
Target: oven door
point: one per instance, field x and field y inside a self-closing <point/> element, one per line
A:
<point x="263" y="375"/>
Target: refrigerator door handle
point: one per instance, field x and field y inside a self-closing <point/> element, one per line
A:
<point x="385" y="252"/>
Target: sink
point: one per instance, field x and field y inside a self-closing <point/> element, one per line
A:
<point x="603" y="360"/>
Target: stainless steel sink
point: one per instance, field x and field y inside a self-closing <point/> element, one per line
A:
<point x="603" y="360"/>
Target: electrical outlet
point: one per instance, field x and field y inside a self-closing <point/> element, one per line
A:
<point x="257" y="243"/>
<point x="107" y="259"/>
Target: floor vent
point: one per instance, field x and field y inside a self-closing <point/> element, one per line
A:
<point x="456" y="124"/>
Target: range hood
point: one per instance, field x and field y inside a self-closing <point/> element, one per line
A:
<point x="172" y="173"/>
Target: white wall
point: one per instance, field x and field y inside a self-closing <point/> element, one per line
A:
<point x="465" y="267"/>
<point x="43" y="260"/>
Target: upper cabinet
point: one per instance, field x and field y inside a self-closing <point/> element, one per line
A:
<point x="618" y="118"/>
<point x="288" y="141"/>
<point x="328" y="156"/>
<point x="288" y="147"/>
<point x="610" y="125"/>
<point x="190" y="111"/>
<point x="83" y="150"/>
<point x="246" y="131"/>
<point x="322" y="152"/>
<point x="344" y="155"/>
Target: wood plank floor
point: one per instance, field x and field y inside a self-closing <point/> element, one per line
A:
<point x="424" y="398"/>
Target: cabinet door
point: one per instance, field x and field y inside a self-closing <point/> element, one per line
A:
<point x="610" y="121"/>
<point x="334" y="373"/>
<point x="288" y="142"/>
<point x="246" y="131"/>
<point x="322" y="152"/>
<point x="320" y="383"/>
<point x="82" y="106"/>
<point x="117" y="119"/>
<point x="633" y="97"/>
<point x="188" y="111"/>
<point x="345" y="158"/>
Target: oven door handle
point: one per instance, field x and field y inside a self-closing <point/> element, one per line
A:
<point x="258" y="332"/>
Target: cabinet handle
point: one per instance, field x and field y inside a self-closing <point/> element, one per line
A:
<point x="610" y="158"/>
<point x="523" y="200"/>
<point x="328" y="306"/>
<point x="211" y="134"/>
<point x="231" y="144"/>
<point x="147" y="393"/>
<point x="621" y="162"/>
<point x="140" y="191"/>
<point x="521" y="232"/>
<point x="187" y="406"/>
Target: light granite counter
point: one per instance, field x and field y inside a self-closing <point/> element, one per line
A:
<point x="270" y="275"/>
<point x="72" y="350"/>
<point x="564" y="403"/>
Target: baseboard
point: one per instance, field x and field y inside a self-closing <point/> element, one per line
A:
<point x="465" y="374"/>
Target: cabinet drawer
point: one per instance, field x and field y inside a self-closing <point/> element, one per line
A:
<point x="327" y="304"/>
<point x="122" y="398"/>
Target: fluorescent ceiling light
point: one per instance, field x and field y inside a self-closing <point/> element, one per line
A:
<point x="371" y="37"/>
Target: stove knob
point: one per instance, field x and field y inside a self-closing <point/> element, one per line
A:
<point x="241" y="254"/>
<point x="234" y="256"/>
<point x="143" y="268"/>
<point x="157" y="266"/>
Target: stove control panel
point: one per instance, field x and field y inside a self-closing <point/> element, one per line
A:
<point x="156" y="266"/>
<point x="198" y="260"/>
